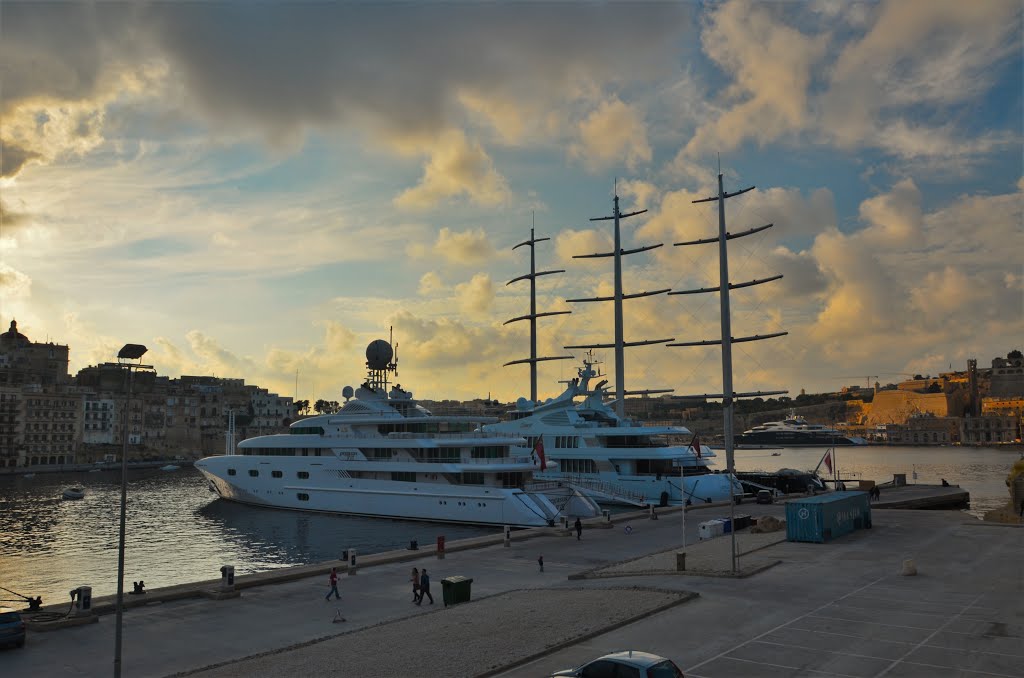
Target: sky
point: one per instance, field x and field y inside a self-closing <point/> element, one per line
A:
<point x="259" y="191"/>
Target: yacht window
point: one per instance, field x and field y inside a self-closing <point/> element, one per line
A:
<point x="303" y="496"/>
<point x="277" y="474"/>
<point x="253" y="472"/>
<point x="577" y="465"/>
<point x="404" y="476"/>
<point x="231" y="471"/>
<point x="566" y="441"/>
<point x="303" y="474"/>
<point x="489" y="452"/>
<point x="473" y="479"/>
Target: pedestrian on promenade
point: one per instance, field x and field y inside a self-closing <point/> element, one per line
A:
<point x="1022" y="509"/>
<point x="425" y="587"/>
<point x="540" y="562"/>
<point x="579" y="529"/>
<point x="334" y="585"/>
<point x="415" y="585"/>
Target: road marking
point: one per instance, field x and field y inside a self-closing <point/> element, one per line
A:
<point x="802" y="669"/>
<point x="776" y="628"/>
<point x="930" y="636"/>
<point x="868" y="621"/>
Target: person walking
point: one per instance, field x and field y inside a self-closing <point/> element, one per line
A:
<point x="425" y="587"/>
<point x="334" y="585"/>
<point x="579" y="529"/>
<point x="540" y="562"/>
<point x="415" y="585"/>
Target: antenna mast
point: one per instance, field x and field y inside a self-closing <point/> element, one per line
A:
<point x="532" y="317"/>
<point x="728" y="396"/>
<point x="620" y="343"/>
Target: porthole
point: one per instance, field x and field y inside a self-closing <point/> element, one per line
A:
<point x="253" y="472"/>
<point x="303" y="496"/>
<point x="277" y="474"/>
<point x="303" y="474"/>
<point x="231" y="471"/>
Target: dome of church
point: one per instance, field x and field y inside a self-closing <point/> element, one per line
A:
<point x="12" y="338"/>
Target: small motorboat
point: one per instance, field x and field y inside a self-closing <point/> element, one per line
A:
<point x="29" y="475"/>
<point x="776" y="454"/>
<point x="74" y="493"/>
<point x="169" y="467"/>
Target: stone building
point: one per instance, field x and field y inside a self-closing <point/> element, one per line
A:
<point x="1007" y="376"/>
<point x="990" y="429"/>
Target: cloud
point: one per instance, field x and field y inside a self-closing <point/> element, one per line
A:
<point x="14" y="284"/>
<point x="215" y="359"/>
<point x="457" y="168"/>
<point x="613" y="134"/>
<point x="430" y="283"/>
<point x="894" y="218"/>
<point x="771" y="64"/>
<point x="465" y="247"/>
<point x="476" y="295"/>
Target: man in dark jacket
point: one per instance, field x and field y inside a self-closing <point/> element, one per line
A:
<point x="425" y="587"/>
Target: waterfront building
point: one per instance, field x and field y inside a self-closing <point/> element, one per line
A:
<point x="990" y="429"/>
<point x="1007" y="376"/>
<point x="23" y="361"/>
<point x="924" y="429"/>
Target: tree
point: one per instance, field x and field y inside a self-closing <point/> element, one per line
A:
<point x="1015" y="355"/>
<point x="302" y="406"/>
<point x="321" y="406"/>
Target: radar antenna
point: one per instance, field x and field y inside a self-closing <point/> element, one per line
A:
<point x="381" y="360"/>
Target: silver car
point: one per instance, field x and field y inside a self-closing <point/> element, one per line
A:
<point x="627" y="664"/>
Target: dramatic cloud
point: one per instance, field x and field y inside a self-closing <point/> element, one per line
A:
<point x="456" y="168"/>
<point x="466" y="247"/>
<point x="476" y="295"/>
<point x="613" y="134"/>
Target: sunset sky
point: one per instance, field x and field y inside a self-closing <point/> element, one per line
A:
<point x="259" y="191"/>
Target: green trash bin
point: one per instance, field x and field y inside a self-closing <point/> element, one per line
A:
<point x="455" y="590"/>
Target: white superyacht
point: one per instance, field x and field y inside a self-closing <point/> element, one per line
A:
<point x="384" y="455"/>
<point x="598" y="449"/>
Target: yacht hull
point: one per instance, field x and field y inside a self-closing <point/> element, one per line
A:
<point x="795" y="439"/>
<point x="612" y="488"/>
<point x="328" y="489"/>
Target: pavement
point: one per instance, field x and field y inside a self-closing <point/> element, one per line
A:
<point x="836" y="609"/>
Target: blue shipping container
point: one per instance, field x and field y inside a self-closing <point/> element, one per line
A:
<point x="827" y="516"/>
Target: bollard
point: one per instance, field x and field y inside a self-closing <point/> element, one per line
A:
<point x="654" y="514"/>
<point x="352" y="562"/>
<point x="508" y="536"/>
<point x="227" y="578"/>
<point x="607" y="515"/>
<point x="680" y="561"/>
<point x="83" y="601"/>
<point x="909" y="568"/>
<point x="440" y="547"/>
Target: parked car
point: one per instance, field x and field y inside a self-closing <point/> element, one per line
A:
<point x="627" y="664"/>
<point x="12" y="627"/>
<point x="764" y="497"/>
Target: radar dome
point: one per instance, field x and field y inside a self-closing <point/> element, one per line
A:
<point x="523" y="404"/>
<point x="378" y="354"/>
<point x="347" y="392"/>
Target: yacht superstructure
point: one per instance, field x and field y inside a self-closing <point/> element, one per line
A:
<point x="383" y="454"/>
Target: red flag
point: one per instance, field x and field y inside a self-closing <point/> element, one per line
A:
<point x="696" y="446"/>
<point x="828" y="461"/>
<point x="538" y="448"/>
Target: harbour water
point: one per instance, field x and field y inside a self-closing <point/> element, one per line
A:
<point x="179" y="532"/>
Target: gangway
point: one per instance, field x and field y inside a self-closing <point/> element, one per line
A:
<point x="602" y="490"/>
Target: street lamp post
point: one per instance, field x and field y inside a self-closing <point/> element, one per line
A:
<point x="129" y="358"/>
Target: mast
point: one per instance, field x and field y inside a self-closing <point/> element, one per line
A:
<point x="620" y="343"/>
<point x="728" y="395"/>
<point x="532" y="317"/>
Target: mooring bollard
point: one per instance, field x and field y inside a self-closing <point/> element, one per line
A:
<point x="352" y="569"/>
<point x="227" y="578"/>
<point x="440" y="547"/>
<point x="909" y="568"/>
<point x="654" y="514"/>
<point x="680" y="561"/>
<point x="508" y="536"/>
<point x="83" y="601"/>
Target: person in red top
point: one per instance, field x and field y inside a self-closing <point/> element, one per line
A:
<point x="334" y="585"/>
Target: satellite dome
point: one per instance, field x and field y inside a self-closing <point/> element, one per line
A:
<point x="378" y="355"/>
<point x="347" y="392"/>
<point x="523" y="404"/>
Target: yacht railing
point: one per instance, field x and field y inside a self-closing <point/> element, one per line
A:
<point x="605" y="487"/>
<point x="352" y="456"/>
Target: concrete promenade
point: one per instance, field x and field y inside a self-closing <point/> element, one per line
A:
<point x="839" y="609"/>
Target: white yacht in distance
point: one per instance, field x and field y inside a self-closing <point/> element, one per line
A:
<point x="384" y="455"/>
<point x="614" y="459"/>
<point x="794" y="431"/>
